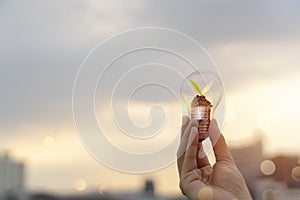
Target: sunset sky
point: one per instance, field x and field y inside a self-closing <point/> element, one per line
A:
<point x="255" y="45"/>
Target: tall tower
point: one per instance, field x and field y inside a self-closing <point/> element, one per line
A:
<point x="149" y="187"/>
<point x="11" y="178"/>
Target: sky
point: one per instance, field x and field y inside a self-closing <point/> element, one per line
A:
<point x="254" y="44"/>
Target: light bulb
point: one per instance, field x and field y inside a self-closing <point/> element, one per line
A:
<point x="202" y="92"/>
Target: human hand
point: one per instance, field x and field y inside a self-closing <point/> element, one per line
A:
<point x="198" y="179"/>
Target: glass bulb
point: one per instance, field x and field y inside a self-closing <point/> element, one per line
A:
<point x="201" y="92"/>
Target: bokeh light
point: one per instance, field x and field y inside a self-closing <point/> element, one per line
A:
<point x="296" y="173"/>
<point x="206" y="193"/>
<point x="80" y="185"/>
<point x="267" y="167"/>
<point x="103" y="188"/>
<point x="268" y="194"/>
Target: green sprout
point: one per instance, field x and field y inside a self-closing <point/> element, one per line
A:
<point x="204" y="90"/>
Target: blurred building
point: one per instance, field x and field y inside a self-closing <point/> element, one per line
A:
<point x="248" y="159"/>
<point x="283" y="182"/>
<point x="149" y="187"/>
<point x="284" y="166"/>
<point x="11" y="178"/>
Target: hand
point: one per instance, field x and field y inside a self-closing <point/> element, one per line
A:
<point x="198" y="179"/>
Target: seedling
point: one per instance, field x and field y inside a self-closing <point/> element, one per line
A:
<point x="200" y="110"/>
<point x="204" y="90"/>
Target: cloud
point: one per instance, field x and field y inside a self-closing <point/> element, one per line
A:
<point x="42" y="45"/>
<point x="216" y="21"/>
<point x="255" y="63"/>
<point x="44" y="42"/>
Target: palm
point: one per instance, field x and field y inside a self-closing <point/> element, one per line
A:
<point x="213" y="183"/>
<point x="199" y="180"/>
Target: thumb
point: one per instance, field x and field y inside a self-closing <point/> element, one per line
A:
<point x="221" y="150"/>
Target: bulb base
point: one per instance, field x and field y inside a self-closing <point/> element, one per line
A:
<point x="202" y="115"/>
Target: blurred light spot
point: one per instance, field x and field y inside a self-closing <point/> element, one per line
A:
<point x="267" y="167"/>
<point x="103" y="188"/>
<point x="49" y="141"/>
<point x="296" y="173"/>
<point x="80" y="184"/>
<point x="268" y="194"/>
<point x="205" y="193"/>
<point x="299" y="160"/>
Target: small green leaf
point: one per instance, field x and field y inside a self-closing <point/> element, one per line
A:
<point x="196" y="87"/>
<point x="206" y="88"/>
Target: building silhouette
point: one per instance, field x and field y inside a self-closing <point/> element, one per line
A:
<point x="276" y="186"/>
<point x="149" y="187"/>
<point x="11" y="178"/>
<point x="248" y="159"/>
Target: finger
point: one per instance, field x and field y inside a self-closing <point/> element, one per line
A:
<point x="181" y="148"/>
<point x="202" y="159"/>
<point x="185" y="122"/>
<point x="184" y="141"/>
<point x="192" y="123"/>
<point x="189" y="159"/>
<point x="221" y="150"/>
<point x="213" y="132"/>
<point x="185" y="136"/>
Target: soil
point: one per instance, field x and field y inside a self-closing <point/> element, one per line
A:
<point x="200" y="101"/>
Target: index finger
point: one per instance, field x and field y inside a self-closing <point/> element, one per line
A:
<point x="185" y="122"/>
<point x="221" y="150"/>
<point x="190" y="157"/>
<point x="186" y="129"/>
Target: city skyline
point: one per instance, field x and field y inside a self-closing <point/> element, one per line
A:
<point x="268" y="176"/>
